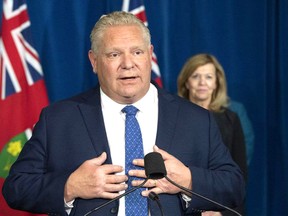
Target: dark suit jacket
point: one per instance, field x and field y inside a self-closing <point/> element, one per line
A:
<point x="72" y="131"/>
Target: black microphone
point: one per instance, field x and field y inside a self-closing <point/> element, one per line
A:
<point x="154" y="166"/>
<point x="155" y="159"/>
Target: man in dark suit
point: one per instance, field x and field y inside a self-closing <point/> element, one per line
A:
<point x="74" y="160"/>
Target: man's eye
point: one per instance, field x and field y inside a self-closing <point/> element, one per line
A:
<point x="138" y="52"/>
<point x="113" y="55"/>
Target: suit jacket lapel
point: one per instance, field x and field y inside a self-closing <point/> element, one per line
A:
<point x="166" y="119"/>
<point x="93" y="118"/>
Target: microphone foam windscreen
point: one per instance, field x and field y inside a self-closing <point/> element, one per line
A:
<point x="154" y="166"/>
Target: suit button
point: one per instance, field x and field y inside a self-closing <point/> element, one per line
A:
<point x="114" y="210"/>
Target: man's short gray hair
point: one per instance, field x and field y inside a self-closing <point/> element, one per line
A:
<point x="116" y="18"/>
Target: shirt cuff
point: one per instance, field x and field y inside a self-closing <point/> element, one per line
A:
<point x="187" y="199"/>
<point x="68" y="206"/>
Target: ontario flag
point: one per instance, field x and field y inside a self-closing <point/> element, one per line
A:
<point x="22" y="88"/>
<point x="137" y="8"/>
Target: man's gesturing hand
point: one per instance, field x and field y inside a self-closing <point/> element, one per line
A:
<point x="95" y="180"/>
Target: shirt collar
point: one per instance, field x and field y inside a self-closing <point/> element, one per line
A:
<point x="144" y="104"/>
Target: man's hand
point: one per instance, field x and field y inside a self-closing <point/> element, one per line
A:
<point x="95" y="180"/>
<point x="176" y="171"/>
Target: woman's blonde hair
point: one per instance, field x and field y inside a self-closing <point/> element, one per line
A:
<point x="219" y="97"/>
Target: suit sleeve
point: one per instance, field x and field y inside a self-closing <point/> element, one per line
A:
<point x="32" y="185"/>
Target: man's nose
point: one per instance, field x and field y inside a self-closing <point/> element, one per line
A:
<point x="127" y="61"/>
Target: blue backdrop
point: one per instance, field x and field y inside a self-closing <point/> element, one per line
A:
<point x="248" y="37"/>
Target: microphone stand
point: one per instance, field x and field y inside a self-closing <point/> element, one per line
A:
<point x="153" y="196"/>
<point x="116" y="198"/>
<point x="202" y="197"/>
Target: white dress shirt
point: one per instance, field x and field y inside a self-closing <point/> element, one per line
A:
<point x="114" y="120"/>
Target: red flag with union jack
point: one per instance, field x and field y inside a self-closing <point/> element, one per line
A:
<point x="137" y="8"/>
<point x="22" y="88"/>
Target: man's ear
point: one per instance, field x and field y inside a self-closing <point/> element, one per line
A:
<point x="151" y="51"/>
<point x="93" y="61"/>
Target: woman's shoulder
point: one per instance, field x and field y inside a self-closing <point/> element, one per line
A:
<point x="231" y="115"/>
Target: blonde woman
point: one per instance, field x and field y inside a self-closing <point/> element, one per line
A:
<point x="202" y="81"/>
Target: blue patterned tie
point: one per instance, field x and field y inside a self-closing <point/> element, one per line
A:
<point x="135" y="203"/>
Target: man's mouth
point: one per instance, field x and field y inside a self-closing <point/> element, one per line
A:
<point x="128" y="78"/>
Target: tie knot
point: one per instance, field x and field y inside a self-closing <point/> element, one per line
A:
<point x="130" y="110"/>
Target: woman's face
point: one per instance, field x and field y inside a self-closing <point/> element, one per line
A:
<point x="202" y="83"/>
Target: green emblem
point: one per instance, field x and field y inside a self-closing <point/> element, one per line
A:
<point x="10" y="153"/>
